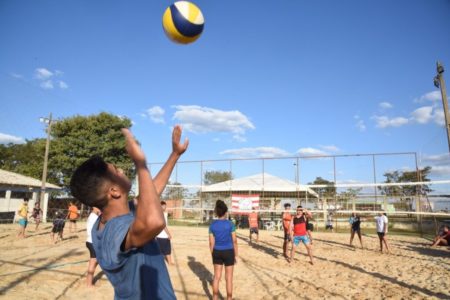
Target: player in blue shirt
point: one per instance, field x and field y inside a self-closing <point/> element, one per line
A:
<point x="124" y="242"/>
<point x="223" y="247"/>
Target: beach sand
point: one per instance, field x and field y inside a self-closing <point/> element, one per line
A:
<point x="37" y="269"/>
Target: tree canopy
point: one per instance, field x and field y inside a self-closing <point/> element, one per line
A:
<point x="26" y="159"/>
<point x="73" y="140"/>
<point x="328" y="191"/>
<point x="211" y="177"/>
<point x="406" y="176"/>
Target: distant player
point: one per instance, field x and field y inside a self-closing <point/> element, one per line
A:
<point x="37" y="215"/>
<point x="253" y="223"/>
<point x="22" y="212"/>
<point x="223" y="247"/>
<point x="299" y="233"/>
<point x="164" y="237"/>
<point x="287" y="218"/>
<point x="355" y="222"/>
<point x="72" y="215"/>
<point x="382" y="229"/>
<point x="58" y="228"/>
<point x="92" y="264"/>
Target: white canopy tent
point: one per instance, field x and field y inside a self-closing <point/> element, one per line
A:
<point x="262" y="183"/>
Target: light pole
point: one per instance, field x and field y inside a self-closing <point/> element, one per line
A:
<point x="48" y="121"/>
<point x="440" y="83"/>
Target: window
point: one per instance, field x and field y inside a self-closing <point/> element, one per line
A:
<point x="21" y="195"/>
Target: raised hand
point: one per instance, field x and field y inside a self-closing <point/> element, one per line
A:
<point x="177" y="147"/>
<point x="134" y="150"/>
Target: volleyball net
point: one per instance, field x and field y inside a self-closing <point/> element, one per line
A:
<point x="422" y="206"/>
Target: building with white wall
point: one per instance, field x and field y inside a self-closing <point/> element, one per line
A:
<point x="15" y="187"/>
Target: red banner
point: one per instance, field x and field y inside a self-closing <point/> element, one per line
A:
<point x="244" y="203"/>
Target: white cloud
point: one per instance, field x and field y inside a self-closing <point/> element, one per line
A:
<point x="330" y="148"/>
<point x="384" y="121"/>
<point x="310" y="152"/>
<point x="427" y="114"/>
<point x="239" y="138"/>
<point x="199" y="119"/>
<point x="256" y="152"/>
<point x="431" y="96"/>
<point x="422" y="115"/>
<point x="360" y="125"/>
<point x="438" y="117"/>
<point x="440" y="171"/>
<point x="17" y="76"/>
<point x="63" y="85"/>
<point x="439" y="163"/>
<point x="436" y="159"/>
<point x="47" y="85"/>
<point x="156" y="114"/>
<point x="43" y="73"/>
<point x="385" y="105"/>
<point x="6" y="139"/>
<point x="46" y="77"/>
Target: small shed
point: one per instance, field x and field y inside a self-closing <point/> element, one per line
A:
<point x="15" y="187"/>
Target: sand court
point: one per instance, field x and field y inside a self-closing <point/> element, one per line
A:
<point x="35" y="268"/>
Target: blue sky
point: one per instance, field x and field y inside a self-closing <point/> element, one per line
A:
<point x="266" y="78"/>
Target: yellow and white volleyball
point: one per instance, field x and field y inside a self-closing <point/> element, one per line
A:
<point x="183" y="22"/>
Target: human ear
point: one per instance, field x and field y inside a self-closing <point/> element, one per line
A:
<point x="115" y="192"/>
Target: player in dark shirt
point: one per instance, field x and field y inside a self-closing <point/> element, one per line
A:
<point x="355" y="222"/>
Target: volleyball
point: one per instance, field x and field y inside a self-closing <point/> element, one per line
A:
<point x="183" y="22"/>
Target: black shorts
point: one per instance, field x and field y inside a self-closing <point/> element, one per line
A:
<point x="73" y="221"/>
<point x="91" y="250"/>
<point x="310" y="226"/>
<point x="57" y="229"/>
<point x="329" y="227"/>
<point x="164" y="246"/>
<point x="357" y="230"/>
<point x="380" y="234"/>
<point x="223" y="257"/>
<point x="287" y="237"/>
<point x="254" y="230"/>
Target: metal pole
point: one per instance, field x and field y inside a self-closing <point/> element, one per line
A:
<point x="375" y="182"/>
<point x="201" y="193"/>
<point x="47" y="147"/>
<point x="439" y="82"/>
<point x="334" y="179"/>
<point x="418" y="196"/>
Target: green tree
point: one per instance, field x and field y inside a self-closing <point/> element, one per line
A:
<point x="406" y="176"/>
<point x="174" y="191"/>
<point x="349" y="195"/>
<point x="328" y="192"/>
<point x="211" y="177"/>
<point x="26" y="159"/>
<point x="75" y="139"/>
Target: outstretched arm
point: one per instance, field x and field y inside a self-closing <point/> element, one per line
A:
<point x="149" y="220"/>
<point x="178" y="149"/>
